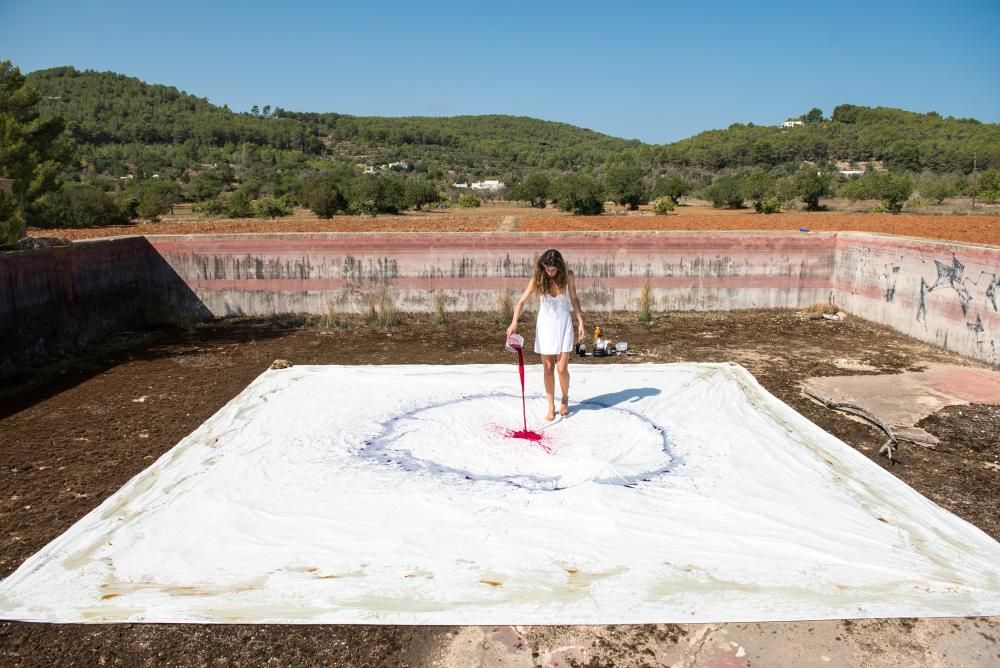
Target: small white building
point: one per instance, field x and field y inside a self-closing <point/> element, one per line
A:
<point x="792" y="124"/>
<point x="491" y="185"/>
<point x="851" y="172"/>
<point x="459" y="185"/>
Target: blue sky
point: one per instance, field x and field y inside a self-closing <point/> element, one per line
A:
<point x="655" y="71"/>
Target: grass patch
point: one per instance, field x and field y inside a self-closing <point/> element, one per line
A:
<point x="646" y="301"/>
<point x="440" y="314"/>
<point x="380" y="308"/>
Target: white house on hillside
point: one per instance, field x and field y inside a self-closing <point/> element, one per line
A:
<point x="490" y="185"/>
<point x="792" y="124"/>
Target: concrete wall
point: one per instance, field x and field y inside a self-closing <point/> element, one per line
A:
<point x="63" y="296"/>
<point x="942" y="293"/>
<point x="255" y="274"/>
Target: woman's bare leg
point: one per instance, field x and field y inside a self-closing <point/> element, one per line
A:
<point x="562" y="366"/>
<point x="548" y="375"/>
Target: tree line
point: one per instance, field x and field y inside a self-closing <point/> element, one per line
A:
<point x="88" y="148"/>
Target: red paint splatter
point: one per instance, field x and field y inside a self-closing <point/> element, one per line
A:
<point x="531" y="436"/>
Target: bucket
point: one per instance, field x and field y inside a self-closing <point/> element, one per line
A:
<point x="514" y="343"/>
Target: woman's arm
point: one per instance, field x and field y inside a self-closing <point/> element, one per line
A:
<point x="525" y="296"/>
<point x="575" y="301"/>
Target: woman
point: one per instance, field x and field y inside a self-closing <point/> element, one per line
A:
<point x="554" y="339"/>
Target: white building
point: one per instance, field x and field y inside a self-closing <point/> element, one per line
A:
<point x="851" y="172"/>
<point x="490" y="185"/>
<point x="792" y="124"/>
<point x="459" y="185"/>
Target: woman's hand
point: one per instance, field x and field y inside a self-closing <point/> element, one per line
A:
<point x="512" y="329"/>
<point x="580" y="333"/>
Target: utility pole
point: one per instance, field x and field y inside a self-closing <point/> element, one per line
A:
<point x="973" y="180"/>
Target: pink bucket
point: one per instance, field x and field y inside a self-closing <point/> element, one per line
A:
<point x="514" y="343"/>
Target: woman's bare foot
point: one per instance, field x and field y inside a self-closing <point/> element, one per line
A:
<point x="564" y="407"/>
<point x="551" y="415"/>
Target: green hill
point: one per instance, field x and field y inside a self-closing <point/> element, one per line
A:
<point x="106" y="112"/>
<point x="125" y="126"/>
<point x="903" y="140"/>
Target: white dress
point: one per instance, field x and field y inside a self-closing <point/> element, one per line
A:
<point x="554" y="327"/>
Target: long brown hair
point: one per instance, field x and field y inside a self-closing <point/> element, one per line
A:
<point x="544" y="284"/>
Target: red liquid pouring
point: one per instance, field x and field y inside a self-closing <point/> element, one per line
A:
<point x="525" y="434"/>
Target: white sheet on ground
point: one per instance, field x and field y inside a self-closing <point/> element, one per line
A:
<point x="393" y="494"/>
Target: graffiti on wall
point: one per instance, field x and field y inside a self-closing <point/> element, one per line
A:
<point x="973" y="291"/>
<point x="951" y="277"/>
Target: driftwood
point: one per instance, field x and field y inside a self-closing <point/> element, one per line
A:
<point x="891" y="445"/>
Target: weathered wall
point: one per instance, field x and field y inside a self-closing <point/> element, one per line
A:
<point x="943" y="293"/>
<point x="257" y="274"/>
<point x="66" y="295"/>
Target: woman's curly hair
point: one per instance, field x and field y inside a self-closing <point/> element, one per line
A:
<point x="543" y="284"/>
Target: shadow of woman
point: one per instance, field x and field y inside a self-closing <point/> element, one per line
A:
<point x="614" y="398"/>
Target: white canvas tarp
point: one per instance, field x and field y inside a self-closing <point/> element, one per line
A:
<point x="394" y="494"/>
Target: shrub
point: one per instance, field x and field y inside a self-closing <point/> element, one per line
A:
<point x="206" y="185"/>
<point x="534" y="190"/>
<point x="624" y="184"/>
<point x="271" y="207"/>
<point x="211" y="208"/>
<point x="768" y="205"/>
<point x="239" y="204"/>
<point x="330" y="318"/>
<point x="663" y="206"/>
<point x="893" y="190"/>
<point x="937" y="188"/>
<point x="440" y="313"/>
<point x="578" y="194"/>
<point x="468" y="202"/>
<point x="420" y="192"/>
<point x="77" y="205"/>
<point x="811" y="185"/>
<point x="505" y="308"/>
<point x="323" y="195"/>
<point x="646" y="301"/>
<point x="150" y="198"/>
<point x="726" y="191"/>
<point x="381" y="308"/>
<point x="988" y="186"/>
<point x="758" y="186"/>
<point x="673" y="187"/>
<point x="153" y="204"/>
<point x="372" y="195"/>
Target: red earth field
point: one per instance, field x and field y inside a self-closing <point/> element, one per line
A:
<point x="973" y="228"/>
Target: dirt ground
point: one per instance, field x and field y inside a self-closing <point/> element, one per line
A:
<point x="974" y="228"/>
<point x="81" y="427"/>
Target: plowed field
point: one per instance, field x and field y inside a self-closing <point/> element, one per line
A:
<point x="979" y="228"/>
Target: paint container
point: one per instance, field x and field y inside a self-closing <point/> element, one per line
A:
<point x="581" y="349"/>
<point x="514" y="343"/>
<point x="621" y="347"/>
